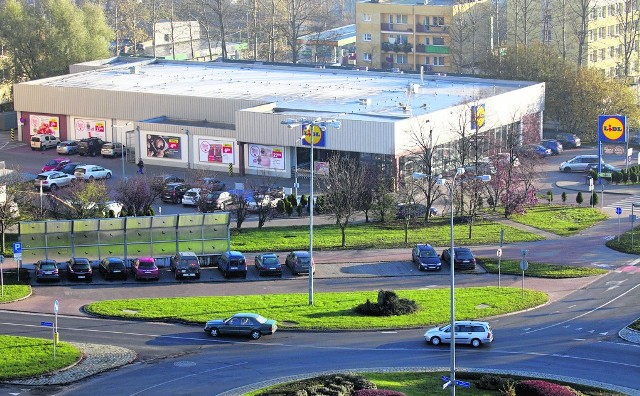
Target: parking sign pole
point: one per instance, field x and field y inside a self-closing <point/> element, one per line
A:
<point x="2" y="274"/>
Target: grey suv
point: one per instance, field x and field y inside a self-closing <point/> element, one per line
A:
<point x="91" y="146"/>
<point x="579" y="163"/>
<point x="185" y="265"/>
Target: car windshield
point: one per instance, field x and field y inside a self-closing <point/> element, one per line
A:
<point x="81" y="266"/>
<point x="52" y="162"/>
<point x="41" y="177"/>
<point x="146" y="265"/>
<point x="116" y="265"/>
<point x="190" y="262"/>
<point x="463" y="254"/>
<point x="428" y="253"/>
<point x="270" y="261"/>
<point x="47" y="266"/>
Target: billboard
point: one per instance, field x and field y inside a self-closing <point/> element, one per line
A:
<point x="164" y="146"/>
<point x="477" y="116"/>
<point x="612" y="128"/>
<point x="266" y="157"/>
<point x="215" y="151"/>
<point x="90" y="128"/>
<point x="44" y="124"/>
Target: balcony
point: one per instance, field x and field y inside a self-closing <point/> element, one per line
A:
<point x="397" y="47"/>
<point x="395" y="27"/>
<point x="431" y="49"/>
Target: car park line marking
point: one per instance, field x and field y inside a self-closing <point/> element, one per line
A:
<point x="579" y="328"/>
<point x="388" y="332"/>
<point x="579" y="339"/>
<point x="571" y="306"/>
<point x="591" y="331"/>
<point x="188" y="375"/>
<point x="605" y="333"/>
<point x="527" y="329"/>
<point x="586" y="313"/>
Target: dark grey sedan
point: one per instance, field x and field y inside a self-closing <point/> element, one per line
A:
<point x="244" y="324"/>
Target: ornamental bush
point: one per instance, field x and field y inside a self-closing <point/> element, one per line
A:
<point x="378" y="392"/>
<point x="542" y="388"/>
<point x="491" y="382"/>
<point x="389" y="304"/>
<point x="325" y="385"/>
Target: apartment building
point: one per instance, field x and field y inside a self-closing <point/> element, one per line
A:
<point x="436" y="35"/>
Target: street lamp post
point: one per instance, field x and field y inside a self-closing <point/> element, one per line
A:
<point x="310" y="134"/>
<point x="452" y="325"/>
<point x="122" y="154"/>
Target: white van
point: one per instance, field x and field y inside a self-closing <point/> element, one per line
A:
<point x="579" y="163"/>
<point x="43" y="142"/>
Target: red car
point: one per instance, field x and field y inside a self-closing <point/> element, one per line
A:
<point x="145" y="268"/>
<point x="55" y="164"/>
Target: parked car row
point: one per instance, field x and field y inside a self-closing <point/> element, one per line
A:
<point x="91" y="146"/>
<point x="67" y="173"/>
<point x="426" y="258"/>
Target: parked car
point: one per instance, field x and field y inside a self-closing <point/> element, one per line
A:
<point x="113" y="207"/>
<point x="112" y="268"/>
<point x="54" y="164"/>
<point x="246" y="324"/>
<point x="210" y="184"/>
<point x="268" y="264"/>
<point x="464" y="259"/>
<point x="579" y="163"/>
<point x="468" y="332"/>
<point x="67" y="147"/>
<point x="70" y="167"/>
<point x="413" y="210"/>
<point x="568" y="140"/>
<point x="92" y="172"/>
<point x="534" y="150"/>
<point x="173" y="192"/>
<point x="47" y="270"/>
<point x="191" y="197"/>
<point x="111" y="150"/>
<point x="298" y="262"/>
<point x="43" y="142"/>
<point x="426" y="258"/>
<point x="90" y="146"/>
<point x="554" y="145"/>
<point x="216" y="200"/>
<point x="185" y="265"/>
<point x="158" y="182"/>
<point x="232" y="263"/>
<point x="79" y="268"/>
<point x="53" y="180"/>
<point x="145" y="268"/>
<point x="606" y="168"/>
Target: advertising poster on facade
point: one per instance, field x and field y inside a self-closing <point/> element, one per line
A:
<point x="266" y="157"/>
<point x="162" y="146"/>
<point x="44" y="125"/>
<point x="90" y="128"/>
<point x="215" y="151"/>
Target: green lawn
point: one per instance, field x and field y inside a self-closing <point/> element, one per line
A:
<point x="563" y="220"/>
<point x="24" y="357"/>
<point x="624" y="244"/>
<point x="539" y="270"/>
<point x="331" y="311"/>
<point x="14" y="290"/>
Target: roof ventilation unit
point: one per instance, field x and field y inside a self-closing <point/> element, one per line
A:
<point x="134" y="70"/>
<point x="365" y="101"/>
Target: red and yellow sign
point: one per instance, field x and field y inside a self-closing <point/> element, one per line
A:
<point x="612" y="129"/>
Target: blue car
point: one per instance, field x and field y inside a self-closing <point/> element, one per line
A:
<point x="553" y="145"/>
<point x="426" y="258"/>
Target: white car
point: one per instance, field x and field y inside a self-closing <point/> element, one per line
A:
<point x="191" y="197"/>
<point x="113" y="206"/>
<point x="52" y="180"/>
<point x="469" y="332"/>
<point x="92" y="172"/>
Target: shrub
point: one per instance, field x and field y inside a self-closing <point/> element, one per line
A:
<point x="378" y="392"/>
<point x="491" y="382"/>
<point x="280" y="206"/>
<point x="633" y="177"/>
<point x="550" y="196"/>
<point x="625" y="176"/>
<point x="594" y="199"/>
<point x="293" y="199"/>
<point x="388" y="305"/>
<point x="288" y="207"/>
<point x="334" y="385"/>
<point x="579" y="198"/>
<point x="303" y="201"/>
<point x="564" y="197"/>
<point x="299" y="210"/>
<point x="542" y="388"/>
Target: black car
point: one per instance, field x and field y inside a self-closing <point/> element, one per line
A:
<point x="185" y="265"/>
<point x="426" y="258"/>
<point x="70" y="168"/>
<point x="113" y="268"/>
<point x="568" y="140"/>
<point x="47" y="270"/>
<point x="79" y="268"/>
<point x="464" y="259"/>
<point x="268" y="264"/>
<point x="90" y="146"/>
<point x="158" y="182"/>
<point x="173" y="192"/>
<point x="553" y="145"/>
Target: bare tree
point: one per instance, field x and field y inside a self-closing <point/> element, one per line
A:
<point x="14" y="197"/>
<point x="137" y="194"/>
<point x="423" y="150"/>
<point x="580" y="13"/>
<point x="81" y="200"/>
<point x="298" y="14"/>
<point x="627" y="30"/>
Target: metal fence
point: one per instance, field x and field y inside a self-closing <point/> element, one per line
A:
<point x="205" y="234"/>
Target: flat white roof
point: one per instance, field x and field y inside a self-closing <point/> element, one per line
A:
<point x="292" y="87"/>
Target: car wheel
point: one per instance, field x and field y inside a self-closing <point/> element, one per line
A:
<point x="108" y="176"/>
<point x="566" y="169"/>
<point x="197" y="276"/>
<point x="475" y="343"/>
<point x="93" y="154"/>
<point x="214" y="332"/>
<point x="43" y="148"/>
<point x="255" y="334"/>
<point x="435" y="341"/>
<point x="53" y="187"/>
<point x="91" y="178"/>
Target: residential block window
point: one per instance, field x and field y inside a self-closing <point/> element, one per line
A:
<point x="438" y="21"/>
<point x="425" y="21"/>
<point x="426" y="41"/>
<point x="594" y="56"/>
<point x="612" y="30"/>
<point x="366" y="37"/>
<point x="591" y="35"/>
<point x="603" y="53"/>
<point x="604" y="11"/>
<point x="399" y="19"/>
<point x="612" y="9"/>
<point x="438" y="60"/>
<point x="426" y="60"/>
<point x="612" y="52"/>
<point x="438" y="41"/>
<point x="617" y="29"/>
<point x="366" y="17"/>
<point x="593" y="15"/>
<point x="602" y="33"/>
<point x="366" y="57"/>
<point x="401" y="59"/>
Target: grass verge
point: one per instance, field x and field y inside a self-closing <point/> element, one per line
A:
<point x="560" y="219"/>
<point x="624" y="245"/>
<point x="14" y="289"/>
<point x="539" y="270"/>
<point x="25" y="357"/>
<point x="331" y="311"/>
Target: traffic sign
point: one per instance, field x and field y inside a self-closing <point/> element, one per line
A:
<point x="46" y="324"/>
<point x="633" y="218"/>
<point x="445" y="378"/>
<point x="56" y="306"/>
<point x="17" y="247"/>
<point x="618" y="210"/>
<point x="499" y="252"/>
<point x="1" y="259"/>
<point x="604" y="174"/>
<point x="17" y="256"/>
<point x="524" y="264"/>
<point x="462" y="384"/>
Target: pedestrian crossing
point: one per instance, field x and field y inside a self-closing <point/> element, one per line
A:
<point x="626" y="204"/>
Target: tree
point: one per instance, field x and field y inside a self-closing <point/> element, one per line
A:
<point x="137" y="193"/>
<point x="579" y="198"/>
<point x="44" y="40"/>
<point x="383" y="202"/>
<point x="593" y="200"/>
<point x="298" y="15"/>
<point x="550" y="196"/>
<point x="13" y="199"/>
<point x="564" y="197"/>
<point x="343" y="186"/>
<point x="81" y="200"/>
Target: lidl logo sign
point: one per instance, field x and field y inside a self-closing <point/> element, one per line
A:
<point x="477" y="116"/>
<point x="612" y="129"/>
<point x="317" y="135"/>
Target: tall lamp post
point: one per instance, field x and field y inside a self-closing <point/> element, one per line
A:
<point x="309" y="130"/>
<point x="113" y="126"/>
<point x="451" y="186"/>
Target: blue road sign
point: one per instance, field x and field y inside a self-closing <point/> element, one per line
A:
<point x="462" y="384"/>
<point x="445" y="378"/>
<point x="17" y="247"/>
<point x="46" y="324"/>
<point x="618" y="211"/>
